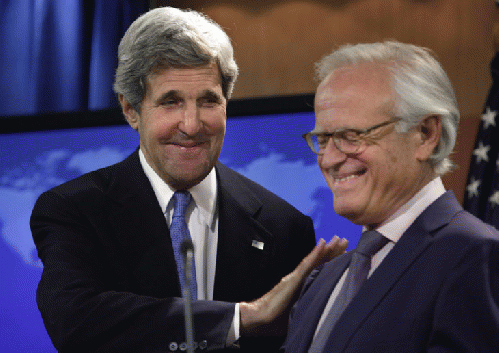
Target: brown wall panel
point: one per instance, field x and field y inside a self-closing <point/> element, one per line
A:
<point x="277" y="42"/>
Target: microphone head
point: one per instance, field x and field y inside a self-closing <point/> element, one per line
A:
<point x="186" y="247"/>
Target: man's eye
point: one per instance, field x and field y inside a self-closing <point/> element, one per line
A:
<point x="171" y="102"/>
<point x="322" y="140"/>
<point x="208" y="102"/>
<point x="350" y="136"/>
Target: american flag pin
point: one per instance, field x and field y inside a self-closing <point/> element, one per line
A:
<point x="257" y="244"/>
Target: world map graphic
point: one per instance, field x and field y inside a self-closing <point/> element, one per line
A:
<point x="270" y="158"/>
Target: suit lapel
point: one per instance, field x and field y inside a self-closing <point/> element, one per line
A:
<point x="239" y="259"/>
<point x="142" y="233"/>
<point x="312" y="302"/>
<point x="410" y="246"/>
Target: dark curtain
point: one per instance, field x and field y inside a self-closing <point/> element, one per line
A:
<point x="60" y="55"/>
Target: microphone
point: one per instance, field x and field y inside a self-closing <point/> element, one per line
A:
<point x="187" y="249"/>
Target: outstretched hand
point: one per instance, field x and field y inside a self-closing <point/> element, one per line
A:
<point x="268" y="315"/>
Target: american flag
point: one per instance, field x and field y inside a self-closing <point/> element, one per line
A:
<point x="482" y="189"/>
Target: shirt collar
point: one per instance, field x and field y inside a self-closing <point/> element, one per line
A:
<point x="204" y="194"/>
<point x="401" y="220"/>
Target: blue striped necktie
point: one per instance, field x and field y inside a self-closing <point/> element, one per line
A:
<point x="179" y="232"/>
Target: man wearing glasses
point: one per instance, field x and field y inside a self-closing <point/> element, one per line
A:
<point x="425" y="274"/>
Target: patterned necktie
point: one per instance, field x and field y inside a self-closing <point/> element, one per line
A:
<point x="370" y="243"/>
<point x="179" y="232"/>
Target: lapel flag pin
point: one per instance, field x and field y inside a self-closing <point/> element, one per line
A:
<point x="257" y="244"/>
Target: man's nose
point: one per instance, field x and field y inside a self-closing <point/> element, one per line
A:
<point x="331" y="156"/>
<point x="191" y="122"/>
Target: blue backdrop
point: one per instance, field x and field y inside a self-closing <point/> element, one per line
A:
<point x="32" y="162"/>
<point x="60" y="55"/>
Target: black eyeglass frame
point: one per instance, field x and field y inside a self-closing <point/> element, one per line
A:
<point x="361" y="135"/>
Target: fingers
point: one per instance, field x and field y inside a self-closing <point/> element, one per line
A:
<point x="313" y="259"/>
<point x="323" y="252"/>
<point x="335" y="247"/>
<point x="264" y="313"/>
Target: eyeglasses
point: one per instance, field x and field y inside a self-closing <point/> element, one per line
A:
<point x="348" y="141"/>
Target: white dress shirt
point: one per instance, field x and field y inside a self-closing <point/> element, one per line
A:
<point x="392" y="229"/>
<point x="202" y="221"/>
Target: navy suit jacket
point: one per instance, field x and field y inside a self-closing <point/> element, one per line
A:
<point x="436" y="291"/>
<point x="110" y="281"/>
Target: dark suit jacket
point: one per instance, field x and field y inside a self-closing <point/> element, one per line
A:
<point x="110" y="282"/>
<point x="436" y="291"/>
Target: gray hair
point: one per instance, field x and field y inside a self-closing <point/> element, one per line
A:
<point x="420" y="84"/>
<point x="168" y="37"/>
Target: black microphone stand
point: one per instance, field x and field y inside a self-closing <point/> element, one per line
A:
<point x="187" y="249"/>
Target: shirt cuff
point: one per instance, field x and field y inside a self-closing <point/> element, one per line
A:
<point x="233" y="335"/>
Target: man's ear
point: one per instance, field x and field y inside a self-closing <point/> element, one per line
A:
<point x="131" y="115"/>
<point x="429" y="134"/>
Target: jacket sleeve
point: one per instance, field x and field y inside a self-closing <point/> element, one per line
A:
<point x="87" y="306"/>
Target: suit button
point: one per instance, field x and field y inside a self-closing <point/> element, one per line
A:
<point x="203" y="344"/>
<point x="183" y="347"/>
<point x="173" y="346"/>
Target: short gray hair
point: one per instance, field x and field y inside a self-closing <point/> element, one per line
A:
<point x="167" y="37"/>
<point x="420" y="84"/>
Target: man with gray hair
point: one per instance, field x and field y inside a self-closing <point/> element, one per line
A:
<point x="425" y="274"/>
<point x="110" y="241"/>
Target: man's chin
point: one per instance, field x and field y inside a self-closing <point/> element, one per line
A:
<point x="348" y="212"/>
<point x="187" y="180"/>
